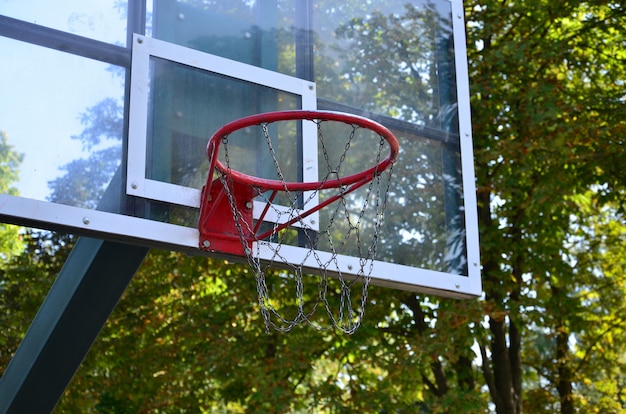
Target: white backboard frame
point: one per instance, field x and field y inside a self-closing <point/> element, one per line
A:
<point x="146" y="47"/>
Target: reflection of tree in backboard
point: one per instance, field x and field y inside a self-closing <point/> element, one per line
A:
<point x="413" y="228"/>
<point x="86" y="179"/>
<point x="388" y="63"/>
<point x="381" y="62"/>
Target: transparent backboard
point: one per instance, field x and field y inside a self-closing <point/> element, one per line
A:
<point x="113" y="137"/>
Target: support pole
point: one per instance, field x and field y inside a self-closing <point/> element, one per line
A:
<point x="81" y="299"/>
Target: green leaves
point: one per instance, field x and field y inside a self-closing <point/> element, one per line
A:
<point x="10" y="160"/>
<point x="543" y="89"/>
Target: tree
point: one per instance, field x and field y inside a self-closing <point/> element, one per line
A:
<point x="546" y="104"/>
<point x="549" y="121"/>
<point x="10" y="161"/>
<point x="85" y="180"/>
<point x="25" y="278"/>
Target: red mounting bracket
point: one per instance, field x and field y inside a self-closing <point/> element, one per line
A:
<point x="218" y="229"/>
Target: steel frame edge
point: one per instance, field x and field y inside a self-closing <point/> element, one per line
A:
<point x="111" y="226"/>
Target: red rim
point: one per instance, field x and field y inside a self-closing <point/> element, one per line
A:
<point x="278" y="185"/>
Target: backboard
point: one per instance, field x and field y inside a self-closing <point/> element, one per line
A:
<point x="117" y="149"/>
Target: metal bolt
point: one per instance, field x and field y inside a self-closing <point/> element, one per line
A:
<point x="311" y="87"/>
<point x="133" y="186"/>
<point x="312" y="221"/>
<point x="206" y="244"/>
<point x="86" y="220"/>
<point x="350" y="267"/>
<point x="475" y="264"/>
<point x="458" y="286"/>
<point x="140" y="40"/>
<point x="458" y="15"/>
<point x="249" y="205"/>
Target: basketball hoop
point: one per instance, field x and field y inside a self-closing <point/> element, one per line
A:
<point x="241" y="213"/>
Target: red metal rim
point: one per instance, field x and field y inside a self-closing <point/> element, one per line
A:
<point x="278" y="185"/>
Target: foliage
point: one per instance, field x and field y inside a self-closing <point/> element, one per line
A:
<point x="9" y="165"/>
<point x="24" y="282"/>
<point x="9" y="173"/>
<point x="85" y="180"/>
<point x="192" y="336"/>
<point x="548" y="107"/>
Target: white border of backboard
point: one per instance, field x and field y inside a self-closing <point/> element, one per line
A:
<point x="154" y="234"/>
<point x="467" y="150"/>
<point x="146" y="47"/>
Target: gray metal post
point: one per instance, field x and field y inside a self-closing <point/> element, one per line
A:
<point x="81" y="299"/>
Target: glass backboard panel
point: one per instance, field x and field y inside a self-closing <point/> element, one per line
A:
<point x="66" y="118"/>
<point x="187" y="105"/>
<point x="260" y="33"/>
<point x="393" y="58"/>
<point x="395" y="61"/>
<point x="401" y="63"/>
<point x="103" y="20"/>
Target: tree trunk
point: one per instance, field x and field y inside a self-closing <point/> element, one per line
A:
<point x="507" y="399"/>
<point x="564" y="381"/>
<point x="563" y="369"/>
<point x="503" y="374"/>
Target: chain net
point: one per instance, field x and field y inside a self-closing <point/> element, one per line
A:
<point x="292" y="288"/>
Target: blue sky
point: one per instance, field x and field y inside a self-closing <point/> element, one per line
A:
<point x="43" y="91"/>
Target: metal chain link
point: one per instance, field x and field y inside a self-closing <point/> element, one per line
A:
<point x="345" y="318"/>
